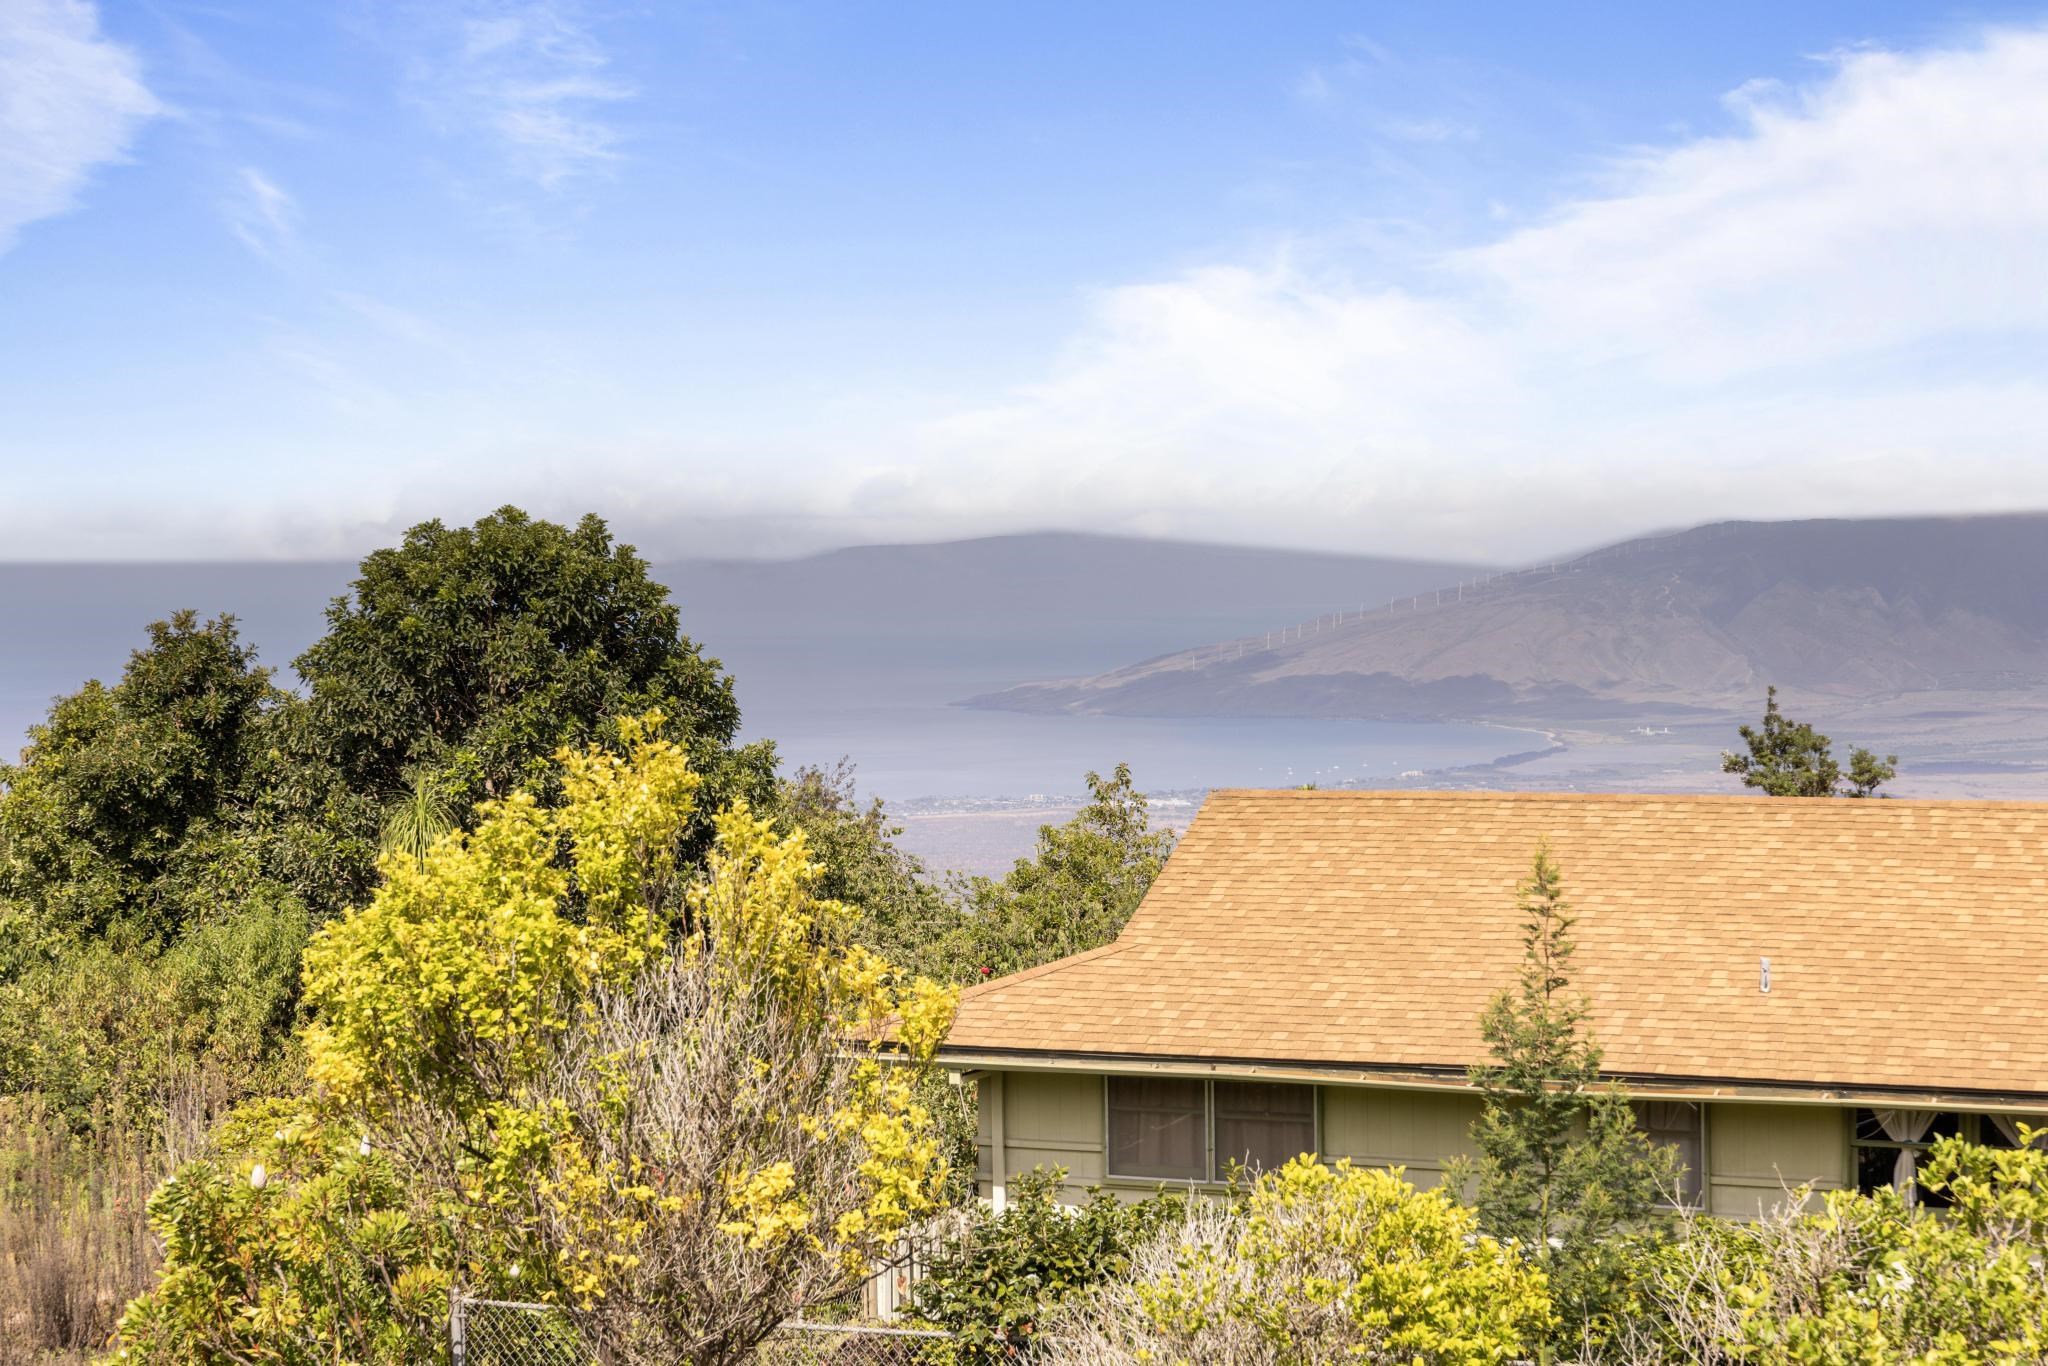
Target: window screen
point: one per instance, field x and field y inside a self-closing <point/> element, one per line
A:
<point x="1262" y="1125"/>
<point x="1677" y="1125"/>
<point x="1158" y="1127"/>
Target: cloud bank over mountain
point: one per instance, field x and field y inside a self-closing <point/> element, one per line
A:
<point x="1840" y="305"/>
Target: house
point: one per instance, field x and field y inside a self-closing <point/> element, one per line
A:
<point x="1794" y="991"/>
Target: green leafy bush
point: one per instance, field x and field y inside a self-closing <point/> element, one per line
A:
<point x="994" y="1284"/>
<point x="297" y="1243"/>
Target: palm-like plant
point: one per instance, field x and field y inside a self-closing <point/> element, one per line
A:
<point x="415" y="821"/>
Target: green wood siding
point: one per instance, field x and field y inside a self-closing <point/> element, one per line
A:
<point x="1755" y="1153"/>
<point x="1054" y="1119"/>
<point x="1419" y="1130"/>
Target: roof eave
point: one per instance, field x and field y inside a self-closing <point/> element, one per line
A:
<point x="1453" y="1078"/>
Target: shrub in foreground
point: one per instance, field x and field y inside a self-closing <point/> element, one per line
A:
<point x="1311" y="1264"/>
<point x="555" y="1061"/>
<point x="995" y="1284"/>
<point x="1866" y="1280"/>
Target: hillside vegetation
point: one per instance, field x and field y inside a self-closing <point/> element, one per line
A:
<point x="171" y="842"/>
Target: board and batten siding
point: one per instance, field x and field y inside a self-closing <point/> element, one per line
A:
<point x="1421" y="1131"/>
<point x="1046" y="1119"/>
<point x="1754" y="1152"/>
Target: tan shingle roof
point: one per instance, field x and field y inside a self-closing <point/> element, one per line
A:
<point x="1908" y="940"/>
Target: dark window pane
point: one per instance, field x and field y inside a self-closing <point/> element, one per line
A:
<point x="2002" y="1131"/>
<point x="1261" y="1125"/>
<point x="1874" y="1167"/>
<point x="1157" y="1128"/>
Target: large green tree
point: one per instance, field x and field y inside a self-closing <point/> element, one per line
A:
<point x="1076" y="890"/>
<point x="122" y="811"/>
<point x="484" y="649"/>
<point x="473" y="654"/>
<point x="194" y="814"/>
<point x="1786" y="758"/>
<point x="148" y="959"/>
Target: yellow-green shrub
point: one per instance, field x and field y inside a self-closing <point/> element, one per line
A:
<point x="678" y="1101"/>
<point x="1314" y="1264"/>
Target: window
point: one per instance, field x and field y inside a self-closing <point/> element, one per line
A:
<point x="1168" y="1129"/>
<point x="2003" y="1131"/>
<point x="1678" y="1125"/>
<point x="1888" y="1145"/>
<point x="1262" y="1126"/>
<point x="1158" y="1127"/>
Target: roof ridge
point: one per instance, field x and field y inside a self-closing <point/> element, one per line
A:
<point x="1618" y="798"/>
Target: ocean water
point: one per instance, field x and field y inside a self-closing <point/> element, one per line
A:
<point x="904" y="752"/>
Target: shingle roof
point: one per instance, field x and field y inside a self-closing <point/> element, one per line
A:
<point x="1908" y="940"/>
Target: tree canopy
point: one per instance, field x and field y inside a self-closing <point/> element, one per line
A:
<point x="195" y="799"/>
<point x="127" y="800"/>
<point x="472" y="654"/>
<point x="1789" y="758"/>
<point x="1076" y="890"/>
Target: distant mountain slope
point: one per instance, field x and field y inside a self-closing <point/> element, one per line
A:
<point x="1033" y="603"/>
<point x="1697" y="619"/>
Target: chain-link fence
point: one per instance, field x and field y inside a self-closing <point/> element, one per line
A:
<point x="509" y="1333"/>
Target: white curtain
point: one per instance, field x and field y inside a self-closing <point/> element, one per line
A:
<point x="1905" y="1126"/>
<point x="2009" y="1125"/>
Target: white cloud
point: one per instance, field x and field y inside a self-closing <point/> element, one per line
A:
<point x="1839" y="306"/>
<point x="530" y="77"/>
<point x="70" y="100"/>
<point x="262" y="215"/>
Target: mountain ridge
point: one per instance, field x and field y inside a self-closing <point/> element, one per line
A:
<point x="1697" y="620"/>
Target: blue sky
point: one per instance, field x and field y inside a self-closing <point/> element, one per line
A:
<point x="1459" y="280"/>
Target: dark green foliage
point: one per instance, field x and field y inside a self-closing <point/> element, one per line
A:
<point x="148" y="959"/>
<point x="994" y="1284"/>
<point x="477" y="652"/>
<point x="1074" y="893"/>
<point x="125" y="804"/>
<point x="195" y="814"/>
<point x="1792" y="759"/>
<point x="1561" y="1166"/>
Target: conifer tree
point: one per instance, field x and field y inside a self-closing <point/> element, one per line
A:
<point x="1561" y="1166"/>
<point x="1791" y="759"/>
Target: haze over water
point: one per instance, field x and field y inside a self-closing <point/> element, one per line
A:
<point x="862" y="676"/>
